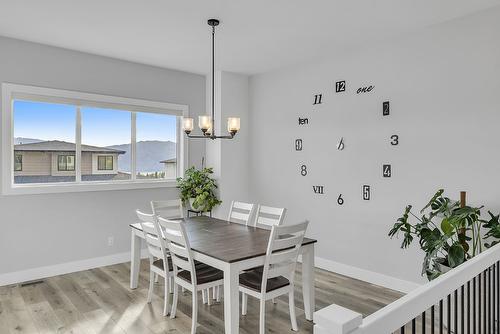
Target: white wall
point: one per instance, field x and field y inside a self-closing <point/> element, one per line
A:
<point x="230" y="158"/>
<point x="444" y="88"/>
<point x="45" y="230"/>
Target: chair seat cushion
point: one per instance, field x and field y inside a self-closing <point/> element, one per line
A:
<point x="253" y="280"/>
<point x="204" y="274"/>
<point x="159" y="264"/>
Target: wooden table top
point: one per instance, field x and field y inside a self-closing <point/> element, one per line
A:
<point x="226" y="241"/>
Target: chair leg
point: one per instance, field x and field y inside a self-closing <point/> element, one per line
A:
<point x="204" y="296"/>
<point x="157" y="278"/>
<point x="171" y="281"/>
<point x="262" y="320"/>
<point x="174" y="302"/>
<point x="244" y="304"/>
<point x="291" y="303"/>
<point x="209" y="297"/>
<point x="195" y="311"/>
<point x="274" y="301"/>
<point x="151" y="286"/>
<point x="167" y="297"/>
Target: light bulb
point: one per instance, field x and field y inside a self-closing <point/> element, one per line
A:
<point x="204" y="122"/>
<point x="188" y="125"/>
<point x="233" y="125"/>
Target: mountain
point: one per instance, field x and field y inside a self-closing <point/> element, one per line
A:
<point x="149" y="154"/>
<point x="21" y="140"/>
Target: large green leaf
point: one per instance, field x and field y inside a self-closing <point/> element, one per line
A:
<point x="456" y="255"/>
<point x="446" y="227"/>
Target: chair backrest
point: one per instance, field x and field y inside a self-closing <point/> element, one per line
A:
<point x="283" y="251"/>
<point x="157" y="246"/>
<point x="178" y="245"/>
<point x="268" y="217"/>
<point x="240" y="212"/>
<point x="168" y="209"/>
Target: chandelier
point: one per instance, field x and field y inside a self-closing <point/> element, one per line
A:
<point x="207" y="122"/>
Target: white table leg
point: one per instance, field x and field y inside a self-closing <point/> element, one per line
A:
<point x="308" y="281"/>
<point x="231" y="299"/>
<point x="135" y="260"/>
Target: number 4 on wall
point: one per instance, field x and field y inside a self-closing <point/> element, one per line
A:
<point x="386" y="170"/>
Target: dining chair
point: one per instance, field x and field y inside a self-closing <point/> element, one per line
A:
<point x="276" y="277"/>
<point x="160" y="263"/>
<point x="187" y="273"/>
<point x="267" y="217"/>
<point x="240" y="212"/>
<point x="169" y="209"/>
<point x="172" y="209"/>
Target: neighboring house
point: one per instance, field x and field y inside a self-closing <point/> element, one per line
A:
<point x="170" y="168"/>
<point x="54" y="161"/>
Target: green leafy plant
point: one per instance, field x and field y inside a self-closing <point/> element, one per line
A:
<point x="199" y="186"/>
<point x="447" y="232"/>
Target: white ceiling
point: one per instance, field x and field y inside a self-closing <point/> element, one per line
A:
<point x="255" y="35"/>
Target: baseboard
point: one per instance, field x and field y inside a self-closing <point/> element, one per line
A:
<point x="366" y="275"/>
<point x="65" y="268"/>
<point x="70" y="267"/>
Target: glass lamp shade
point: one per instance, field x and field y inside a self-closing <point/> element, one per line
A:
<point x="204" y="122"/>
<point x="188" y="124"/>
<point x="233" y="124"/>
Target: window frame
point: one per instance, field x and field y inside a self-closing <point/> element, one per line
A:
<point x="106" y="157"/>
<point x="12" y="92"/>
<point x="66" y="156"/>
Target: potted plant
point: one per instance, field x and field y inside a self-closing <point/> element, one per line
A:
<point x="449" y="232"/>
<point x="198" y="188"/>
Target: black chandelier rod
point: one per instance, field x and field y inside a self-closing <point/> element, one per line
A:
<point x="213" y="23"/>
<point x="213" y="80"/>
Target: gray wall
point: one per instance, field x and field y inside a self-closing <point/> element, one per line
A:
<point x="42" y="230"/>
<point x="444" y="88"/>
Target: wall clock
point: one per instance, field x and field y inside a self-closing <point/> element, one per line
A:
<point x="365" y="90"/>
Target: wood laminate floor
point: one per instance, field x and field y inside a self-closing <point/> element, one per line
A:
<point x="99" y="301"/>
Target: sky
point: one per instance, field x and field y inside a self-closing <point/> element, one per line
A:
<point x="100" y="127"/>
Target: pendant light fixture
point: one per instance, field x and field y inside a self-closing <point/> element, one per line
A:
<point x="206" y="122"/>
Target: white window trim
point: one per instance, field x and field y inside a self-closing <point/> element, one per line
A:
<point x="14" y="91"/>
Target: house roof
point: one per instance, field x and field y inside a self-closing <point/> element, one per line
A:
<point x="62" y="146"/>
<point x="169" y="161"/>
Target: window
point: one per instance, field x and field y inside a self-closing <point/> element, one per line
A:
<point x="105" y="162"/>
<point x="65" y="163"/>
<point x="93" y="142"/>
<point x="18" y="162"/>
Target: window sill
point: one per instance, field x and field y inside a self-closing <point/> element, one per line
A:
<point x="72" y="187"/>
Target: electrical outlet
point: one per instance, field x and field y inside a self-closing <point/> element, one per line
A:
<point x="111" y="241"/>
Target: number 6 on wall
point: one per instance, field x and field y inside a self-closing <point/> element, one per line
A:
<point x="340" y="200"/>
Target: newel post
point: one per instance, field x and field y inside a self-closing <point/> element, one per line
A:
<point x="335" y="319"/>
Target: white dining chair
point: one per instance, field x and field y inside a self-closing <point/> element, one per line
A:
<point x="169" y="209"/>
<point x="240" y="212"/>
<point x="187" y="273"/>
<point x="160" y="264"/>
<point x="267" y="216"/>
<point x="276" y="277"/>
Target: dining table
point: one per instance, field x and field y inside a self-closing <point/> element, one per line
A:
<point x="232" y="248"/>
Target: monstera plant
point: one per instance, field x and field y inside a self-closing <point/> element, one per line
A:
<point x="198" y="188"/>
<point x="449" y="233"/>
